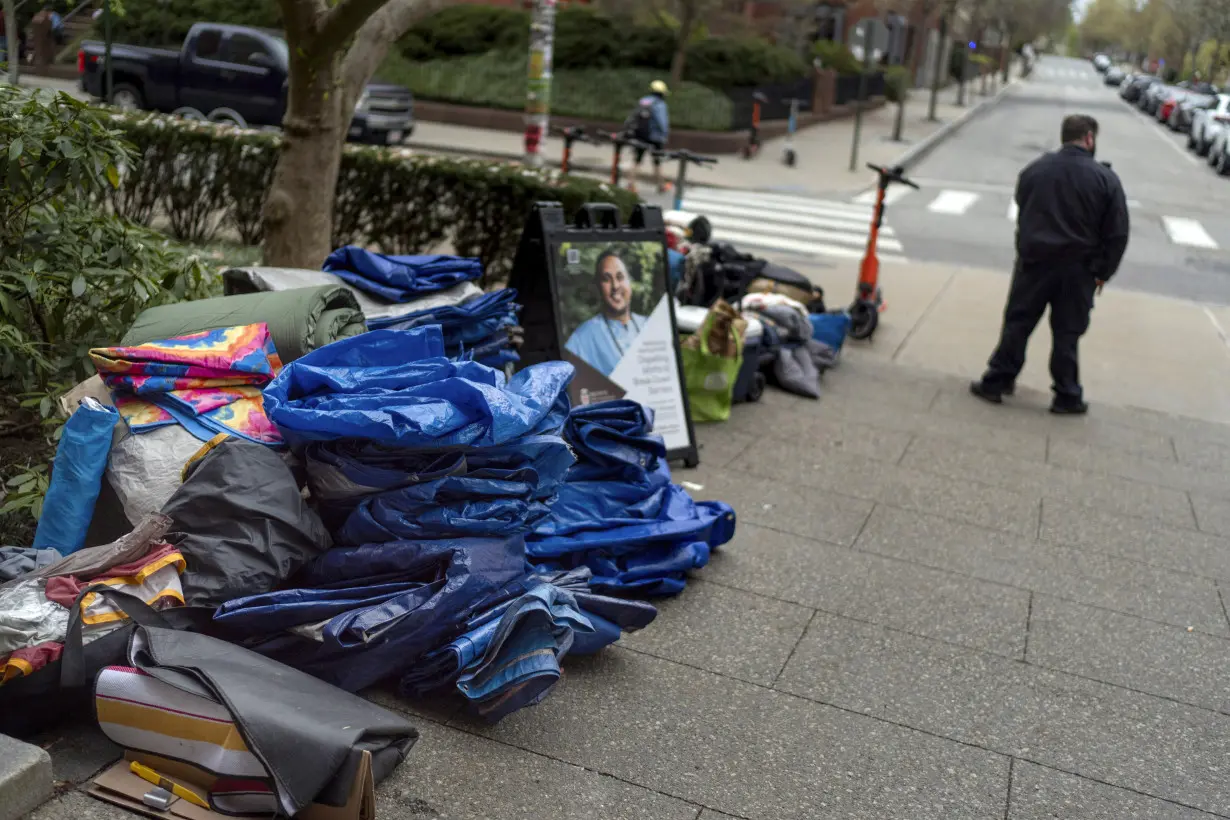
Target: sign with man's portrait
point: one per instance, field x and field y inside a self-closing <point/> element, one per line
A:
<point x="607" y="310"/>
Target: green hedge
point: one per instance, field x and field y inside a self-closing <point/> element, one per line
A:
<point x="586" y="40"/>
<point x="836" y="56"/>
<point x="497" y="80"/>
<point x="165" y="22"/>
<point x="206" y="178"/>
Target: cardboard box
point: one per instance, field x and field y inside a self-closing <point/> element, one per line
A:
<point x="119" y="786"/>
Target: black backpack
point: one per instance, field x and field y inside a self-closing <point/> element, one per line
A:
<point x="640" y="122"/>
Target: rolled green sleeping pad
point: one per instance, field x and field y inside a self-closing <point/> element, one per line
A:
<point x="299" y="320"/>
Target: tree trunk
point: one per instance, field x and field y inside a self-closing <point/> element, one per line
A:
<point x="11" y="46"/>
<point x="939" y="64"/>
<point x="305" y="179"/>
<point x="687" y="21"/>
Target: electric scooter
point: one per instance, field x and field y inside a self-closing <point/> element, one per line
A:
<point x="685" y="158"/>
<point x="620" y="141"/>
<point x="571" y="135"/>
<point x="789" y="157"/>
<point x="868" y="301"/>
<point x="753" y="138"/>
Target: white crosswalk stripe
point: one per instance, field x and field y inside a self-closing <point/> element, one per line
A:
<point x="952" y="202"/>
<point x="789" y="224"/>
<point x="1185" y="231"/>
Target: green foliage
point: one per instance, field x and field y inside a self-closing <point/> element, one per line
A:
<point x="396" y="201"/>
<point x="587" y="40"/>
<point x="836" y="56"/>
<point x="498" y="81"/>
<point x="742" y="62"/>
<point x="165" y="22"/>
<point x="896" y="83"/>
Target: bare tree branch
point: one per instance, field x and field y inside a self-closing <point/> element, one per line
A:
<point x="380" y="31"/>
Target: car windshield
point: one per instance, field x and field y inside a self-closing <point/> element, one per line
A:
<point x="281" y="50"/>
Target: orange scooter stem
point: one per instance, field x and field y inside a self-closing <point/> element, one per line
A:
<point x="868" y="301"/>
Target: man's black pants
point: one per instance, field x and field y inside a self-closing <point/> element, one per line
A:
<point x="1068" y="290"/>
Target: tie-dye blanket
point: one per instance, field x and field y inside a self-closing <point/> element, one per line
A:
<point x="208" y="382"/>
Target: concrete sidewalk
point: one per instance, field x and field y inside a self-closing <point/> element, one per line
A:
<point x="932" y="608"/>
<point x="823" y="149"/>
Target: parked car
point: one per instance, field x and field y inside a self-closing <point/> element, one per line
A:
<point x="1208" y="122"/>
<point x="1219" y="153"/>
<point x="1101" y="62"/>
<point x="232" y="74"/>
<point x="1114" y="76"/>
<point x="1131" y="89"/>
<point x="1151" y="97"/>
<point x="1184" y="112"/>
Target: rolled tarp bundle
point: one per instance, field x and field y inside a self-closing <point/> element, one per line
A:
<point x="299" y="320"/>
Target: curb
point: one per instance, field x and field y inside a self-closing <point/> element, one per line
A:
<point x="25" y="778"/>
<point x="919" y="152"/>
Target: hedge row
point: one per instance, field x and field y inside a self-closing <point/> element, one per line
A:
<point x="586" y="39"/>
<point x="205" y="178"/>
<point x="165" y="22"/>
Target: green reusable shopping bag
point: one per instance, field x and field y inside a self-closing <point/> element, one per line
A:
<point x="710" y="376"/>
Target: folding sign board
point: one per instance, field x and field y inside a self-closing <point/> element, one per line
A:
<point x="595" y="294"/>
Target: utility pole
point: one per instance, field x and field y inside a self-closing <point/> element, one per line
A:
<point x="11" y="41"/>
<point x="940" y="46"/>
<point x="538" y="85"/>
<point x="868" y="62"/>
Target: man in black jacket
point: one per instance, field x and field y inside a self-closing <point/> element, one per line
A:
<point x="1072" y="231"/>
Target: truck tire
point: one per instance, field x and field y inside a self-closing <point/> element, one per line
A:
<point x="227" y="116"/>
<point x="127" y="97"/>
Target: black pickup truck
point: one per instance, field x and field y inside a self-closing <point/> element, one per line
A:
<point x="233" y="74"/>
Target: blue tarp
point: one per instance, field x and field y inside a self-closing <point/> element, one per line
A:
<point x="366" y="613"/>
<point x="461" y="662"/>
<point x="400" y="278"/>
<point x="395" y="387"/>
<point x="617" y="512"/>
<point x="368" y="492"/>
<point x="76" y="477"/>
<point x="466" y="323"/>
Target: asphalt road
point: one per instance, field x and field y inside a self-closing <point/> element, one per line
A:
<point x="964" y="213"/>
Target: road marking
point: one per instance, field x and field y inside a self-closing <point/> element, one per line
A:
<point x="725" y="226"/>
<point x="890" y="196"/>
<point x="710" y="197"/>
<point x="1013" y="211"/>
<point x="1184" y="231"/>
<point x="1161" y="134"/>
<point x="774" y="243"/>
<point x="773" y="215"/>
<point x="1133" y="203"/>
<point x="952" y="202"/>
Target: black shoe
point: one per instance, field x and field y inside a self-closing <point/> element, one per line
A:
<point x="985" y="393"/>
<point x="1010" y="390"/>
<point x="1070" y="408"/>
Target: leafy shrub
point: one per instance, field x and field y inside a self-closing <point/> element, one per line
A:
<point x="397" y="201"/>
<point x="836" y="56"/>
<point x="498" y="81"/>
<point x="165" y="22"/>
<point x="896" y="83"/>
<point x="741" y="62"/>
<point x="586" y="39"/>
<point x="456" y="31"/>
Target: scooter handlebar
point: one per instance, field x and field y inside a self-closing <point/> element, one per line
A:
<point x="894" y="174"/>
<point x="684" y="155"/>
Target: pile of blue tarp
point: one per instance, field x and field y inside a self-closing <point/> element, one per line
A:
<point x="617" y="512"/>
<point x="429" y="473"/>
<point x="482" y="329"/>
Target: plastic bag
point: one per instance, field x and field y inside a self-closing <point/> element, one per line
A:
<point x="711" y="361"/>
<point x="76" y="478"/>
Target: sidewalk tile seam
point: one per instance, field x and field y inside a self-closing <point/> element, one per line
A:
<point x="906" y="450"/>
<point x="936" y="735"/>
<point x="461" y="728"/>
<point x="1008" y="797"/>
<point x="795" y="648"/>
<point x="1221" y="597"/>
<point x="1029" y="622"/>
<point x="1038" y="532"/>
<point x="853" y="547"/>
<point x="940" y="293"/>
<point x="1135" y="791"/>
<point x="959" y="646"/>
<point x="1191" y="505"/>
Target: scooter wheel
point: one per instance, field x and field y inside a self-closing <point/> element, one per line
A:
<point x="864" y="317"/>
<point x="790" y="159"/>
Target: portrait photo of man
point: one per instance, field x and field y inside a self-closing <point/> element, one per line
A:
<point x="603" y="339"/>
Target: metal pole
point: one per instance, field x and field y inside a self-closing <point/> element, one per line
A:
<point x="538" y="85"/>
<point x="868" y="41"/>
<point x="939" y="61"/>
<point x="12" y="43"/>
<point x="107" y="37"/>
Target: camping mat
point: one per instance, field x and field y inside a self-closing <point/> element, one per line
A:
<point x="299" y="320"/>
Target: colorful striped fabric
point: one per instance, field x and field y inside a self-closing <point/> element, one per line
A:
<point x="152" y="718"/>
<point x="209" y="382"/>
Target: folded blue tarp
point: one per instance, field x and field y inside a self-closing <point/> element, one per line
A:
<point x="468" y="322"/>
<point x="400" y="278"/>
<point x="395" y="387"/>
<point x="459" y="662"/>
<point x="367" y="613"/>
<point x="617" y="511"/>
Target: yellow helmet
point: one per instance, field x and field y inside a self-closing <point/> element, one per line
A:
<point x="659" y="87"/>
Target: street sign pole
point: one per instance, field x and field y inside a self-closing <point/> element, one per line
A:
<point x="868" y="62"/>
